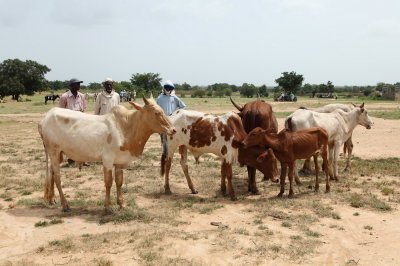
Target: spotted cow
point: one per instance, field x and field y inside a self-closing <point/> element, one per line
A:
<point x="204" y="133"/>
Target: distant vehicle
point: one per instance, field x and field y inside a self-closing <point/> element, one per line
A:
<point x="329" y="95"/>
<point x="286" y="98"/>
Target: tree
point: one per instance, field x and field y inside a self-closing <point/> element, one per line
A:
<point x="330" y="86"/>
<point x="248" y="90"/>
<point x="148" y="81"/>
<point x="18" y="77"/>
<point x="262" y="90"/>
<point x="290" y="82"/>
<point x="95" y="86"/>
<point x="56" y="85"/>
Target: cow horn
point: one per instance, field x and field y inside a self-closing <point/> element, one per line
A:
<point x="151" y="95"/>
<point x="258" y="96"/>
<point x="362" y="105"/>
<point x="145" y="100"/>
<point x="236" y="105"/>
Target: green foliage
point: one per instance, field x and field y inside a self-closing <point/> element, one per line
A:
<point x="199" y="93"/>
<point x="56" y="85"/>
<point x="262" y="90"/>
<point x="290" y="82"/>
<point x="21" y="77"/>
<point x="147" y="81"/>
<point x="367" y="92"/>
<point x="248" y="90"/>
<point x="95" y="86"/>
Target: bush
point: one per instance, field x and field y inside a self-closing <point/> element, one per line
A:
<point x="198" y="93"/>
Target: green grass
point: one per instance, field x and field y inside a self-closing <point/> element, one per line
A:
<point x="393" y="114"/>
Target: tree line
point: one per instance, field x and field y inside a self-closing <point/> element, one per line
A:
<point x="19" y="77"/>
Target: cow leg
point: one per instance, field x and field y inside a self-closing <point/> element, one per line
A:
<point x="349" y="145"/>
<point x="316" y="172"/>
<point x="227" y="168"/>
<point x="252" y="185"/>
<point x="52" y="198"/>
<point x="57" y="180"/>
<point x="282" y="178"/>
<point x="223" y="176"/>
<point x="335" y="162"/>
<point x="168" y="162"/>
<point x="306" y="170"/>
<point x="331" y="161"/>
<point x="108" y="183"/>
<point x="296" y="174"/>
<point x="185" y="168"/>
<point x="291" y="193"/>
<point x="119" y="180"/>
<point x="325" y="167"/>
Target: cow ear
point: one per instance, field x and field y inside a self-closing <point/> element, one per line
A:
<point x="136" y="106"/>
<point x="146" y="102"/>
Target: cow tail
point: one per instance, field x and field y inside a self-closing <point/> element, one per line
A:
<point x="47" y="180"/>
<point x="288" y="124"/>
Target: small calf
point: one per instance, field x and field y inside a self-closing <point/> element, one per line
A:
<point x="288" y="147"/>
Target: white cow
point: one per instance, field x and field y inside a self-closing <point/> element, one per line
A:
<point x="338" y="124"/>
<point x="114" y="139"/>
<point x="204" y="133"/>
<point x="348" y="145"/>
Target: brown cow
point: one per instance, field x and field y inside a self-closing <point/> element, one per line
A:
<point x="257" y="114"/>
<point x="290" y="146"/>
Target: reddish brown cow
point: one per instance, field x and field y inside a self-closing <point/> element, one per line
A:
<point x="290" y="146"/>
<point x="257" y="114"/>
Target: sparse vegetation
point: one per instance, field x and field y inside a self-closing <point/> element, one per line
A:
<point x="256" y="229"/>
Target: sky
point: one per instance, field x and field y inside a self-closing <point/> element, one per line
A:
<point x="202" y="42"/>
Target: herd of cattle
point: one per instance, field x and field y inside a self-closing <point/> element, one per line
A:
<point x="249" y="137"/>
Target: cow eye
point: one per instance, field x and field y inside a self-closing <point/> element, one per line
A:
<point x="157" y="113"/>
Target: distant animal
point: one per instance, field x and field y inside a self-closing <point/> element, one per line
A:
<point x="348" y="145"/>
<point x="338" y="124"/>
<point x="288" y="147"/>
<point x="50" y="98"/>
<point x="257" y="114"/>
<point x="204" y="133"/>
<point x="91" y="96"/>
<point x="114" y="139"/>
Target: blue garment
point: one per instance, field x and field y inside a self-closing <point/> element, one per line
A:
<point x="170" y="103"/>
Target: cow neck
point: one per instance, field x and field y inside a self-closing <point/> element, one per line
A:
<point x="272" y="141"/>
<point x="137" y="134"/>
<point x="350" y="119"/>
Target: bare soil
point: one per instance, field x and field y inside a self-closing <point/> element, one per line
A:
<point x="311" y="229"/>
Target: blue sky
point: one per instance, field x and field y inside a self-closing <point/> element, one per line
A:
<point x="349" y="42"/>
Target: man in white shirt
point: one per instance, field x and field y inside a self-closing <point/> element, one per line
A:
<point x="107" y="99"/>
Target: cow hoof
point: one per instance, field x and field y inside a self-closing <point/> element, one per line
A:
<point x="234" y="199"/>
<point x="52" y="202"/>
<point x="66" y="209"/>
<point x="108" y="211"/>
<point x="280" y="195"/>
<point x="290" y="196"/>
<point x="168" y="192"/>
<point x="195" y="192"/>
<point x="275" y="180"/>
<point x="255" y="192"/>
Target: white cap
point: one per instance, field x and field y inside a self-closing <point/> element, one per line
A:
<point x="168" y="83"/>
<point x="108" y="80"/>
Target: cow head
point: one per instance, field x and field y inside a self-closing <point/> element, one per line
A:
<point x="260" y="158"/>
<point x="364" y="119"/>
<point x="254" y="138"/>
<point x="154" y="116"/>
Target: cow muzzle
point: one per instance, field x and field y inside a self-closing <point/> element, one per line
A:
<point x="171" y="131"/>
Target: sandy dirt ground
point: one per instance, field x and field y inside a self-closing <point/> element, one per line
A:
<point x="20" y="240"/>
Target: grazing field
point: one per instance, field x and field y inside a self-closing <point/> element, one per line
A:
<point x="357" y="223"/>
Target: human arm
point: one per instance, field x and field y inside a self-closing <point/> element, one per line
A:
<point x="63" y="102"/>
<point x="97" y="105"/>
